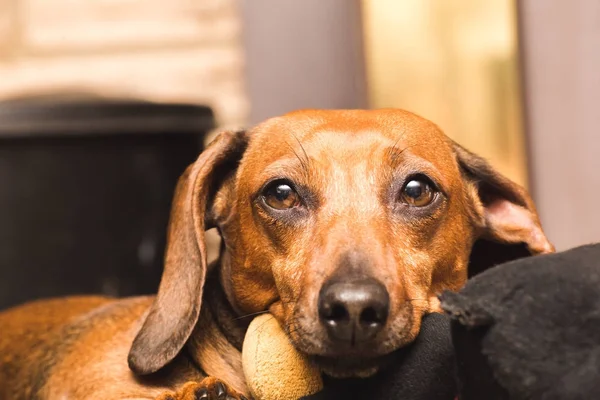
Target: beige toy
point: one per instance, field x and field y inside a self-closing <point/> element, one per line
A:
<point x="274" y="369"/>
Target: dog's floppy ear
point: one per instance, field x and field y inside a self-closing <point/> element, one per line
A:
<point x="507" y="217"/>
<point x="177" y="306"/>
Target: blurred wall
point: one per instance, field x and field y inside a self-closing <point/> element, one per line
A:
<point x="561" y="53"/>
<point x="175" y="51"/>
<point x="303" y="54"/>
<point x="455" y="63"/>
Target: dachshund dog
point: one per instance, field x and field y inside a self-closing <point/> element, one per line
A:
<point x="344" y="224"/>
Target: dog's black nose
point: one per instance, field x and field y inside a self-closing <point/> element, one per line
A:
<point x="354" y="311"/>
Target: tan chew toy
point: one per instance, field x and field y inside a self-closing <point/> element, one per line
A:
<point x="274" y="369"/>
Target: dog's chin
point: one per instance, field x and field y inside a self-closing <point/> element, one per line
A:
<point x="348" y="367"/>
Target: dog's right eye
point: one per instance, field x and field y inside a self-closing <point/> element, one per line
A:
<point x="281" y="195"/>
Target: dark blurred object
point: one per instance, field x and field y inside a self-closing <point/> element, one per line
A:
<point x="85" y="191"/>
<point x="530" y="329"/>
<point x="423" y="370"/>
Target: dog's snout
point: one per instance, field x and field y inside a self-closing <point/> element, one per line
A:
<point x="353" y="312"/>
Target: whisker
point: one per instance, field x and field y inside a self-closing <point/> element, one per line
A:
<point x="251" y="314"/>
<point x="303" y="163"/>
<point x="303" y="149"/>
<point x="264" y="322"/>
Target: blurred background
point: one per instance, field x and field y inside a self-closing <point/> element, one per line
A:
<point x="104" y="102"/>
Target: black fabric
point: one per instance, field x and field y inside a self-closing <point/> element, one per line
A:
<point x="530" y="329"/>
<point x="423" y="370"/>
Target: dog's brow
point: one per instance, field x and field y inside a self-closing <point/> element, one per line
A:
<point x="293" y="168"/>
<point x="395" y="153"/>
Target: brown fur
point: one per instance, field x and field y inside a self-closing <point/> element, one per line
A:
<point x="350" y="166"/>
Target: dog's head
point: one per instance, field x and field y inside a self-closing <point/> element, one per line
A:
<point x="343" y="224"/>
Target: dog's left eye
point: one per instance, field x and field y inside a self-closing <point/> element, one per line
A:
<point x="281" y="195"/>
<point x="418" y="192"/>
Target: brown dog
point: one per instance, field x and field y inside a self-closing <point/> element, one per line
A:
<point x="343" y="224"/>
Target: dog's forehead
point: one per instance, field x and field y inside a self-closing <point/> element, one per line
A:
<point x="276" y="135"/>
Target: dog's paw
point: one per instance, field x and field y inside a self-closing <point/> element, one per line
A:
<point x="208" y="389"/>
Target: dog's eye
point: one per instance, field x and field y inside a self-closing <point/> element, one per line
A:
<point x="281" y="195"/>
<point x="417" y="192"/>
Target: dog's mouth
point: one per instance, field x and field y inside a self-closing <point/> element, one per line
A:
<point x="345" y="360"/>
<point x="349" y="367"/>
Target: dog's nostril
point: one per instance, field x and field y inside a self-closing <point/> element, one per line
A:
<point x="335" y="312"/>
<point x="339" y="313"/>
<point x="369" y="316"/>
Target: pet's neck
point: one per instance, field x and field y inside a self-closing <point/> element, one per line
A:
<point x="216" y="342"/>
